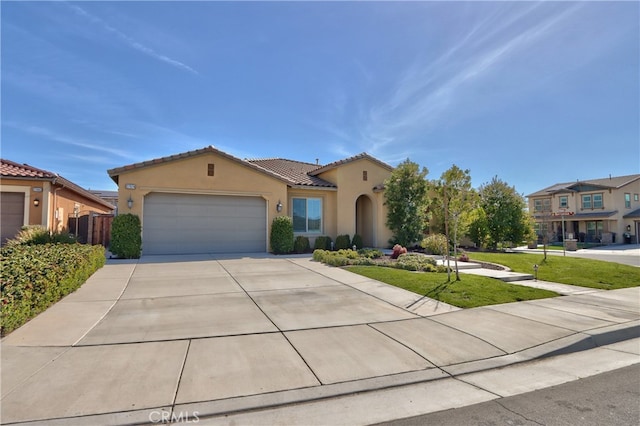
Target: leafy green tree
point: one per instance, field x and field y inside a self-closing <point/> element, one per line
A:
<point x="478" y="229"/>
<point x="506" y="218"/>
<point x="405" y="198"/>
<point x="457" y="198"/>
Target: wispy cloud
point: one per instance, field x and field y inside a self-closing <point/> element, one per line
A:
<point x="69" y="140"/>
<point x="426" y="92"/>
<point x="131" y="42"/>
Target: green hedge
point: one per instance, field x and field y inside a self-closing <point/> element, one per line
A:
<point x="407" y="261"/>
<point x="342" y="257"/>
<point x="126" y="236"/>
<point x="36" y="276"/>
<point x="357" y="241"/>
<point x="282" y="235"/>
<point x="301" y="244"/>
<point x="322" y="243"/>
<point x="343" y="242"/>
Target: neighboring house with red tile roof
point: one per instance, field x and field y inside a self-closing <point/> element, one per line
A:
<point x="594" y="210"/>
<point x="207" y="201"/>
<point x="33" y="196"/>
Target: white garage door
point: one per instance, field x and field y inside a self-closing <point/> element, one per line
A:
<point x="12" y="214"/>
<point x="186" y="223"/>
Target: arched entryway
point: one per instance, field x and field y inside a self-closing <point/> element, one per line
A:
<point x="364" y="220"/>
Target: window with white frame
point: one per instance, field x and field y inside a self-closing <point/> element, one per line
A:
<point x="307" y="215"/>
<point x="592" y="201"/>
<point x="598" y="202"/>
<point x="542" y="205"/>
<point x="627" y="200"/>
<point x="564" y="202"/>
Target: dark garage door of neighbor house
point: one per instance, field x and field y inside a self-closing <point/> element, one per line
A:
<point x="188" y="224"/>
<point x="12" y="214"/>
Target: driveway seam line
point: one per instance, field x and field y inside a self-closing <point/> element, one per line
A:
<point x="411" y="349"/>
<point x="555" y="308"/>
<point x="108" y="310"/>
<point x="541" y="322"/>
<point x="184" y="363"/>
<point x="249" y="296"/>
<point x="67" y="349"/>
<point x="357" y="289"/>
<point x="467" y="333"/>
<point x="302" y="358"/>
<point x="274" y="324"/>
<point x="570" y="313"/>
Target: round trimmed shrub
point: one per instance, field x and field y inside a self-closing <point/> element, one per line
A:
<point x="126" y="239"/>
<point x="322" y="243"/>
<point x="343" y="242"/>
<point x="301" y="244"/>
<point x="282" y="235"/>
<point x="357" y="241"/>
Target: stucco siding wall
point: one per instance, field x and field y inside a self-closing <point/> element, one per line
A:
<point x="190" y="176"/>
<point x="351" y="185"/>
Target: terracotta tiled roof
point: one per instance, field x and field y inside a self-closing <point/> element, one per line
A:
<point x="10" y="169"/>
<point x="360" y="156"/>
<point x="297" y="172"/>
<point x="614" y="182"/>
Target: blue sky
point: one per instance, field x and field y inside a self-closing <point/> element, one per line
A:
<point x="535" y="93"/>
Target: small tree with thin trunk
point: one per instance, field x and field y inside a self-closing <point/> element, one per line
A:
<point x="457" y="199"/>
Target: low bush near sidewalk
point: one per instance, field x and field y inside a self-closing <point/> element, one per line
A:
<point x="368" y="257"/>
<point x="36" y="276"/>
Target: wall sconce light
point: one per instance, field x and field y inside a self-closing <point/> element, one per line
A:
<point x="628" y="228"/>
<point x="279" y="206"/>
<point x="36" y="202"/>
<point x="129" y="202"/>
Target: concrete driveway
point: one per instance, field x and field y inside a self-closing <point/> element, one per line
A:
<point x="143" y="338"/>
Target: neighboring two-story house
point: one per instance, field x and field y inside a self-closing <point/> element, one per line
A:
<point x="597" y="210"/>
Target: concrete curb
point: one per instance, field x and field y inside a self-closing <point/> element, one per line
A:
<point x="206" y="410"/>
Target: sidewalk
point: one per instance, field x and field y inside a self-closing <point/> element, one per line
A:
<point x="325" y="347"/>
<point x="528" y="280"/>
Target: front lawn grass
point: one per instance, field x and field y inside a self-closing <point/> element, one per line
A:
<point x="472" y="291"/>
<point x="567" y="270"/>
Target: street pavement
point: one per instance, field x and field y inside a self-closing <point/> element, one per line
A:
<point x="284" y="340"/>
<point x="609" y="398"/>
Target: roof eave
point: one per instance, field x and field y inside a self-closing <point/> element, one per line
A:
<point x="314" y="187"/>
<point x="361" y="156"/>
<point x="116" y="172"/>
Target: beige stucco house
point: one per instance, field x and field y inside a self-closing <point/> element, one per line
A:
<point x="33" y="196"/>
<point x="207" y="201"/>
<point x="597" y="210"/>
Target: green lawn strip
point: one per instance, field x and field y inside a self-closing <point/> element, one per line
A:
<point x="567" y="270"/>
<point x="472" y="291"/>
<point x="560" y="247"/>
